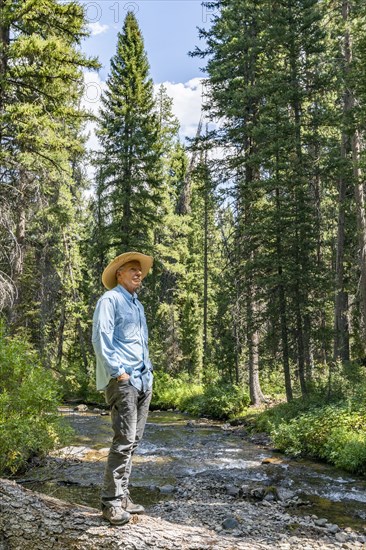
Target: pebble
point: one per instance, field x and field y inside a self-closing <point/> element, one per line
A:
<point x="230" y="523"/>
<point x="332" y="528"/>
<point x="232" y="490"/>
<point x="167" y="489"/>
<point x="81" y="408"/>
<point x="321" y="522"/>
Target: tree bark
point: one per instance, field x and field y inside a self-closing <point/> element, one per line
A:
<point x="341" y="332"/>
<point x="255" y="391"/>
<point x="32" y="521"/>
<point x="361" y="229"/>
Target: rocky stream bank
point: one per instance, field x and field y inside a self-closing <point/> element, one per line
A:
<point x="205" y="485"/>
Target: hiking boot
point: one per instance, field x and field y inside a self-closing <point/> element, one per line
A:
<point x="115" y="514"/>
<point x="131" y="507"/>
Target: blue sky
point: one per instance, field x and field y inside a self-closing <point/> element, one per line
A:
<point x="169" y="29"/>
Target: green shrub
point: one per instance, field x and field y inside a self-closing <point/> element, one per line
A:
<point x="220" y="401"/>
<point x="173" y="393"/>
<point x="351" y="454"/>
<point x="214" y="400"/>
<point x="29" y="423"/>
<point x="334" y="433"/>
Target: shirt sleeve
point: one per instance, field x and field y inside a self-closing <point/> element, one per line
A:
<point x="103" y="328"/>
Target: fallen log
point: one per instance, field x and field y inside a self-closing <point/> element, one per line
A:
<point x="33" y="521"/>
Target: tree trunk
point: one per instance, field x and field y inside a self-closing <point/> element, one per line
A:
<point x="282" y="298"/>
<point x="255" y="391"/>
<point x="32" y="521"/>
<point x="341" y="331"/>
<point x="205" y="262"/>
<point x="76" y="299"/>
<point x="361" y="229"/>
<point x="302" y="252"/>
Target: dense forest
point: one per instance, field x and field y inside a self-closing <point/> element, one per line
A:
<point x="257" y="227"/>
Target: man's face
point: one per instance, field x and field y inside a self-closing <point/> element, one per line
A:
<point x="129" y="276"/>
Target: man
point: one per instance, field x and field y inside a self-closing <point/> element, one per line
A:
<point x="124" y="371"/>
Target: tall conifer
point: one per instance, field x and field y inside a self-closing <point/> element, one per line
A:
<point x="129" y="167"/>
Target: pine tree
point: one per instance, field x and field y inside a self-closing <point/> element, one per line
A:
<point x="129" y="167"/>
<point x="271" y="129"/>
<point x="41" y="155"/>
<point x="40" y="84"/>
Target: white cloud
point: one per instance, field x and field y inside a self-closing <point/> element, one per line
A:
<point x="97" y="28"/>
<point x="187" y="102"/>
<point x="91" y="101"/>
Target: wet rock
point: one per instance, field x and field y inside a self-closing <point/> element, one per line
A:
<point x="244" y="491"/>
<point x="237" y="422"/>
<point x="232" y="490"/>
<point x="167" y="489"/>
<point x="230" y="523"/>
<point x="258" y="493"/>
<point x="265" y="503"/>
<point x="67" y="483"/>
<point x="285" y="494"/>
<point x="332" y="528"/>
<point x="81" y="408"/>
<point x="341" y="537"/>
<point x="272" y="460"/>
<point x="270" y="496"/>
<point x="321" y="522"/>
<point x="96" y="410"/>
<point x="105" y="413"/>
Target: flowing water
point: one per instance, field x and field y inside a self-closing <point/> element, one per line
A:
<point x="174" y="448"/>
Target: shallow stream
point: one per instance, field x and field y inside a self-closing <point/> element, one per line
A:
<point x="174" y="448"/>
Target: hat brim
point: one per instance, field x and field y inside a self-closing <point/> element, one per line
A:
<point x="109" y="274"/>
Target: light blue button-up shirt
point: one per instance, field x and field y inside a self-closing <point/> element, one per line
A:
<point x="120" y="339"/>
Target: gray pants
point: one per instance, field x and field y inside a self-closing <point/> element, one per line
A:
<point x="129" y="410"/>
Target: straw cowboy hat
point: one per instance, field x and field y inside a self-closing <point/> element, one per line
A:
<point x="109" y="274"/>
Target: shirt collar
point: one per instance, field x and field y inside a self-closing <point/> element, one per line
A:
<point x="128" y="295"/>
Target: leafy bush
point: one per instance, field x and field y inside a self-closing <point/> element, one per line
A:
<point x="219" y="401"/>
<point x="215" y="400"/>
<point x="332" y="432"/>
<point x="173" y="393"/>
<point x="29" y="423"/>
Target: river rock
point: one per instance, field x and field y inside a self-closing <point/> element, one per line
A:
<point x="167" y="489"/>
<point x="332" y="528"/>
<point x="258" y="493"/>
<point x="81" y="408"/>
<point x="272" y="460"/>
<point x="230" y="523"/>
<point x="285" y="494"/>
<point x="321" y="522"/>
<point x="341" y="537"/>
<point x="244" y="491"/>
<point x="232" y="490"/>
